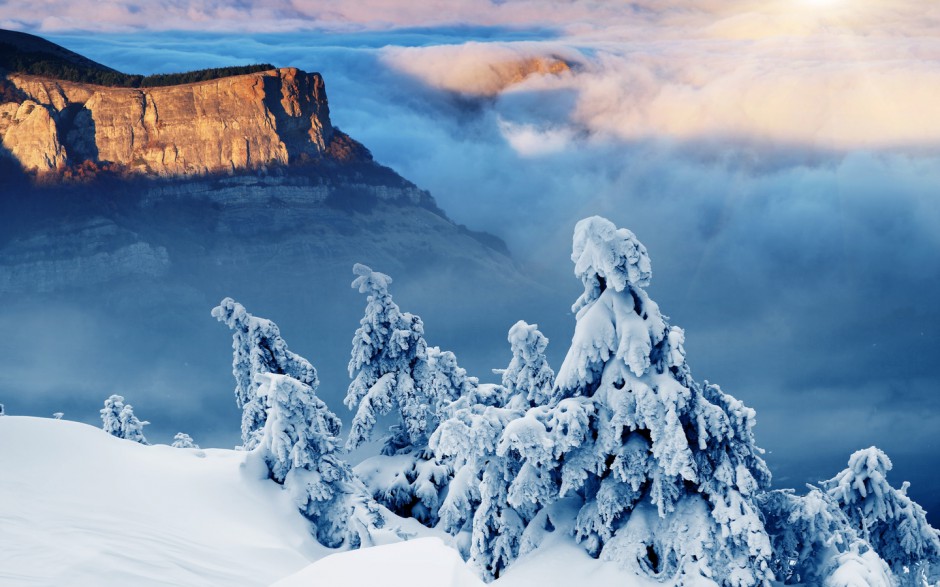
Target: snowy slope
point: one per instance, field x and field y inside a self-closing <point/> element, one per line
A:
<point x="423" y="562"/>
<point x="79" y="507"/>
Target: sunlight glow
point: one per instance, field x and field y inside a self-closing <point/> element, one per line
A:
<point x="821" y="3"/>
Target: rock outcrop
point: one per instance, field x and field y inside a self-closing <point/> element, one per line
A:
<point x="274" y="117"/>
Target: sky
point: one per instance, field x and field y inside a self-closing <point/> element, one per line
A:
<point x="780" y="159"/>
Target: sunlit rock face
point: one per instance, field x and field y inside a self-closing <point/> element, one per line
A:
<point x="248" y="121"/>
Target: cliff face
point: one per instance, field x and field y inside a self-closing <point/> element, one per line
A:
<point x="241" y="122"/>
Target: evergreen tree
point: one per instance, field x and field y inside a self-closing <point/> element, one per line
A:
<point x="118" y="420"/>
<point x="814" y="543"/>
<point x="478" y="498"/>
<point x="393" y="369"/>
<point x="111" y="415"/>
<point x="258" y="348"/>
<point x="528" y="375"/>
<point x="132" y="428"/>
<point x="183" y="440"/>
<point x="301" y="448"/>
<point x="665" y="468"/>
<point x="894" y="525"/>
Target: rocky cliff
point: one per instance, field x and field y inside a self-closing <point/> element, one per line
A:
<point x="274" y="117"/>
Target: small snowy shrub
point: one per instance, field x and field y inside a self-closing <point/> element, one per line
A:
<point x="58" y="415"/>
<point x="131" y="427"/>
<point x="257" y="348"/>
<point x="118" y="420"/>
<point x="183" y="440"/>
<point x="894" y="525"/>
<point x="393" y="370"/>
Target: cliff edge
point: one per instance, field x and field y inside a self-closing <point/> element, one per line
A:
<point x="275" y="117"/>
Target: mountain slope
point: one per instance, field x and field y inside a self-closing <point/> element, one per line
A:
<point x="17" y="48"/>
<point x="158" y="203"/>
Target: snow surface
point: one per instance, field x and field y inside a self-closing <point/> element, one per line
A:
<point x="423" y="562"/>
<point x="81" y="507"/>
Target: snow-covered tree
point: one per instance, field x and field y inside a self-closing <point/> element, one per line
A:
<point x="389" y="360"/>
<point x="393" y="370"/>
<point x="131" y="427"/>
<point x="118" y="420"/>
<point x="111" y="415"/>
<point x="894" y="525"/>
<point x="814" y="543"/>
<point x="478" y="498"/>
<point x="666" y="468"/>
<point x="58" y="415"/>
<point x="258" y="348"/>
<point x="183" y="440"/>
<point x="2" y="410"/>
<point x="528" y="375"/>
<point x="300" y="446"/>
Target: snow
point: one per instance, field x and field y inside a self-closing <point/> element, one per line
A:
<point x="81" y="507"/>
<point x="423" y="562"/>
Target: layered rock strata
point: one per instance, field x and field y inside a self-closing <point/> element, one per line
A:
<point x="274" y="117"/>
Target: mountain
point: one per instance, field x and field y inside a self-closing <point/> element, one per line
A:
<point x="126" y="214"/>
<point x="274" y="117"/>
<point x="19" y="49"/>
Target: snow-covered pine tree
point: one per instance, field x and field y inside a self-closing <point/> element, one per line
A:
<point x="393" y="369"/>
<point x="111" y="415"/>
<point x="889" y="520"/>
<point x="132" y="428"/>
<point x="665" y="468"/>
<point x="2" y="410"/>
<point x="300" y="446"/>
<point x="478" y="498"/>
<point x="183" y="440"/>
<point x="814" y="543"/>
<point x="257" y="348"/>
<point x="58" y="415"/>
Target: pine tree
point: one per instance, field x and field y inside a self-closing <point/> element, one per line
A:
<point x="393" y="369"/>
<point x="894" y="525"/>
<point x="118" y="420"/>
<point x="478" y="496"/>
<point x="132" y="428"/>
<point x="258" y="348"/>
<point x="111" y="415"/>
<point x="301" y="448"/>
<point x="183" y="440"/>
<point x="814" y="543"/>
<point x="665" y="468"/>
